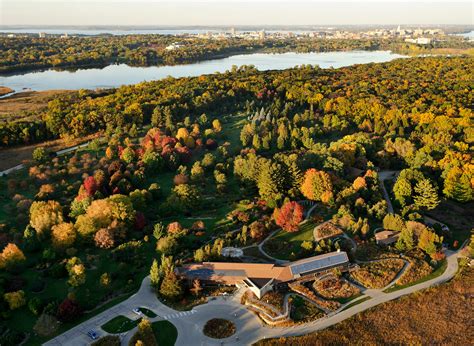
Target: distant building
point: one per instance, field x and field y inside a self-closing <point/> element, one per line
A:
<point x="262" y="278"/>
<point x="41" y="35"/>
<point x="173" y="46"/>
<point x="65" y="35"/>
<point x="419" y="40"/>
<point x="261" y="34"/>
<point x="386" y="237"/>
<point x="232" y="31"/>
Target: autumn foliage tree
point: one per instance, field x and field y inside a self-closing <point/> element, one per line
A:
<point x="63" y="235"/>
<point x="68" y="310"/>
<point x="11" y="256"/>
<point x="289" y="216"/>
<point x="317" y="185"/>
<point x="90" y="185"/>
<point x="104" y="238"/>
<point x="44" y="215"/>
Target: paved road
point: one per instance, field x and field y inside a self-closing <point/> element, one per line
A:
<point x="58" y="153"/>
<point x="249" y="328"/>
<point x="145" y="297"/>
<point x="385" y="175"/>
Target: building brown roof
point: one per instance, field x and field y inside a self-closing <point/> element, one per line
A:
<point x="232" y="273"/>
<point x="386" y="237"/>
<point x="385" y="234"/>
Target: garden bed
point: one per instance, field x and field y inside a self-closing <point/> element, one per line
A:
<point x="416" y="270"/>
<point x="309" y="293"/>
<point x="335" y="288"/>
<point x="219" y="328"/>
<point x="377" y="274"/>
<point x="303" y="311"/>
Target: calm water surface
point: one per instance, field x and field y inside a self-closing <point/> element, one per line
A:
<point x="117" y="75"/>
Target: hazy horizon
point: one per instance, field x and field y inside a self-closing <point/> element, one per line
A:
<point x="243" y="13"/>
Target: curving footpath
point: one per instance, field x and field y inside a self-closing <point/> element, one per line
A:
<point x="249" y="327"/>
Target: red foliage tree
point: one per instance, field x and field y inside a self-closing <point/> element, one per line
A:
<point x="289" y="216"/>
<point x="140" y="221"/>
<point x="68" y="310"/>
<point x="168" y="141"/>
<point x="211" y="144"/>
<point x="184" y="154"/>
<point x="90" y="185"/>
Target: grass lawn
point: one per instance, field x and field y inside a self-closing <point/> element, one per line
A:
<point x="437" y="272"/>
<point x="356" y="303"/>
<point x="284" y="244"/>
<point x="119" y="324"/>
<point x="165" y="333"/>
<point x="253" y="251"/>
<point x="147" y="312"/>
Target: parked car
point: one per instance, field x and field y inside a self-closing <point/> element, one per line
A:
<point x="137" y="311"/>
<point x="92" y="334"/>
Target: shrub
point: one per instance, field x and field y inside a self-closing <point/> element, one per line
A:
<point x="40" y="154"/>
<point x="15" y="300"/>
<point x="46" y="325"/>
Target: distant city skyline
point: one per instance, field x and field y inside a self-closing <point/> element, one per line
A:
<point x="233" y="13"/>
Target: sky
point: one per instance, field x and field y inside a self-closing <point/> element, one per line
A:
<point x="234" y="12"/>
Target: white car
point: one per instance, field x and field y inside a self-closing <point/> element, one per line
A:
<point x="137" y="311"/>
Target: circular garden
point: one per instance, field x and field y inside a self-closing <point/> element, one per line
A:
<point x="219" y="328"/>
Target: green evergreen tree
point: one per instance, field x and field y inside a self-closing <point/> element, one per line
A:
<point x="402" y="191"/>
<point x="272" y="183"/>
<point x="426" y="195"/>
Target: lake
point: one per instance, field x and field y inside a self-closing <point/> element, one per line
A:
<point x="469" y="35"/>
<point x="117" y="75"/>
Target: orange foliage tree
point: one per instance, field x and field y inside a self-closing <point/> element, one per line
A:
<point x="289" y="216"/>
<point x="317" y="185"/>
<point x="11" y="255"/>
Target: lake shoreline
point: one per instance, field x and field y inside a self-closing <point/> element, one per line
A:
<point x="114" y="76"/>
<point x="20" y="70"/>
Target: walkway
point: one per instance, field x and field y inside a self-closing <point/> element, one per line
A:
<point x="386" y="175"/>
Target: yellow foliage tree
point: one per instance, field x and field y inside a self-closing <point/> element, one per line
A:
<point x="216" y="125"/>
<point x="63" y="235"/>
<point x="44" y="215"/>
<point x="15" y="300"/>
<point x="359" y="183"/>
<point x="182" y="133"/>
